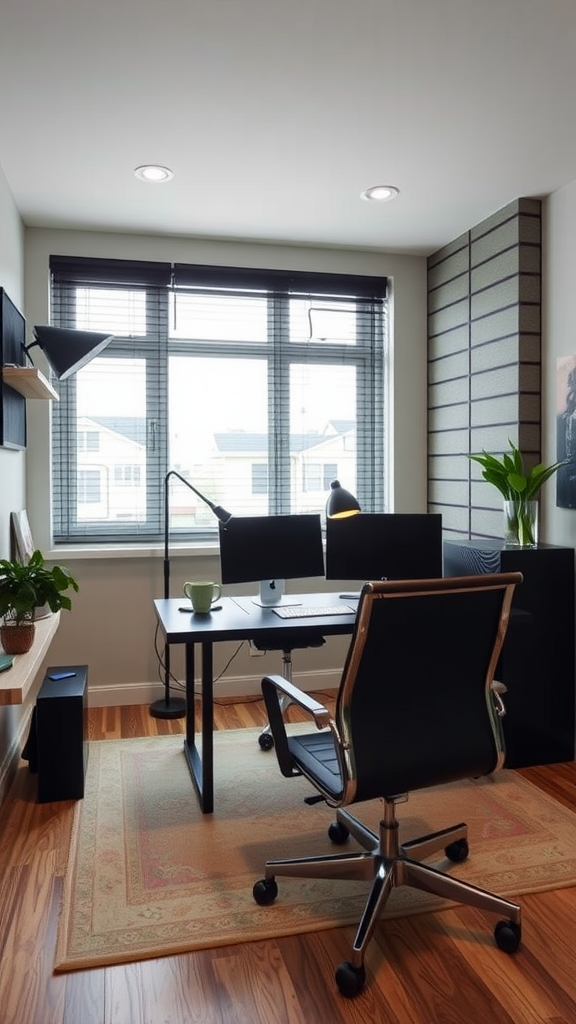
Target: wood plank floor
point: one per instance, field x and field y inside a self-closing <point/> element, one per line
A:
<point x="430" y="969"/>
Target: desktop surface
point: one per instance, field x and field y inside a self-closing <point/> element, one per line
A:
<point x="240" y="619"/>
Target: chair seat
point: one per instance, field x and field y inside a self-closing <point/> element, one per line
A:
<point x="315" y="754"/>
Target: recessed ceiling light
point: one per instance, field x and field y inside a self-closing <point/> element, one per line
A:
<point x="153" y="174"/>
<point x="380" y="193"/>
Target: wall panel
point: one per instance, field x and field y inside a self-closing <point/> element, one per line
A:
<point x="484" y="294"/>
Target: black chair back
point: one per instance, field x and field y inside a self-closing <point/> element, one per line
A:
<point x="416" y="706"/>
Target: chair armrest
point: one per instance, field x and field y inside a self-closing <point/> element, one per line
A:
<point x="318" y="711"/>
<point x="272" y="688"/>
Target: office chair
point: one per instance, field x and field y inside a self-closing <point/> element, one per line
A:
<point x="282" y="642"/>
<point x="416" y="707"/>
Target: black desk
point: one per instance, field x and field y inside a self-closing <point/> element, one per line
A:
<point x="238" y="619"/>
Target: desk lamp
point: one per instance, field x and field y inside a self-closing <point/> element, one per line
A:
<point x="169" y="707"/>
<point x="341" y="503"/>
<point x="68" y="350"/>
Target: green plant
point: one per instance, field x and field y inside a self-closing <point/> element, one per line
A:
<point x="509" y="475"/>
<point x="517" y="486"/>
<point x="26" y="586"/>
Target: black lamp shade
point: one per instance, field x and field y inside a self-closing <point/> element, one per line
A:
<point x="341" y="503"/>
<point x="68" y="350"/>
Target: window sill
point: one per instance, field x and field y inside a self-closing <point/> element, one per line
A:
<point x="72" y="552"/>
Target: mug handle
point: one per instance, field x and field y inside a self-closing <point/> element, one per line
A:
<point x="217" y="592"/>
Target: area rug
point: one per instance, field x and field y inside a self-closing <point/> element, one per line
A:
<point x="150" y="875"/>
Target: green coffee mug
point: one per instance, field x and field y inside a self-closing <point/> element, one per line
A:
<point x="202" y="595"/>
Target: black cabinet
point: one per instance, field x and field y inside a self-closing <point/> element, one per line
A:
<point x="61" y="733"/>
<point x="537" y="664"/>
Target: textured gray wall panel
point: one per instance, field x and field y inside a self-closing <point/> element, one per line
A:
<point x="492" y="354"/>
<point x="449" y="367"/>
<point x="448" y="442"/>
<point x="448" y="392"/>
<point x="448" y="467"/>
<point x="487" y="392"/>
<point x="456" y="340"/>
<point x="449" y="317"/>
<point x="458" y="290"/>
<point x="499" y="296"/>
<point x="501" y="324"/>
<point x="491" y="383"/>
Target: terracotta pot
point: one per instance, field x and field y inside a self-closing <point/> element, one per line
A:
<point x="17" y="638"/>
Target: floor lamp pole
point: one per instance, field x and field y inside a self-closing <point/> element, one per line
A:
<point x="168" y="706"/>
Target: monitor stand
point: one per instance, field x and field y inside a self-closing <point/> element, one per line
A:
<point x="272" y="594"/>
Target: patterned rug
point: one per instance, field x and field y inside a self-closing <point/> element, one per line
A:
<point x="150" y="875"/>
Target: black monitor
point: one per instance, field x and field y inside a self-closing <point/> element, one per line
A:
<point x="269" y="550"/>
<point x="375" y="546"/>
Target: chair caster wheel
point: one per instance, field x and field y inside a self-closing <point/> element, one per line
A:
<point x="508" y="935"/>
<point x="265" y="891"/>
<point x="265" y="740"/>
<point x="350" y="980"/>
<point x="338" y="833"/>
<point x="457" y="851"/>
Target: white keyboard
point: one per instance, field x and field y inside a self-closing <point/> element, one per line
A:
<point x="303" y="611"/>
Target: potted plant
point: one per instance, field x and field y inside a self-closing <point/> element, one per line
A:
<point x="25" y="586"/>
<point x="520" y="489"/>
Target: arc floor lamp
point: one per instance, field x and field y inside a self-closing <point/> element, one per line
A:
<point x="169" y="706"/>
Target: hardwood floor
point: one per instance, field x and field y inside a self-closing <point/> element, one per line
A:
<point x="433" y="969"/>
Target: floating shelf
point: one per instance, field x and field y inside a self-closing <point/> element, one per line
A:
<point x="16" y="681"/>
<point x="29" y="381"/>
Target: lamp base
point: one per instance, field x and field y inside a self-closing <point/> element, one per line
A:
<point x="174" y="708"/>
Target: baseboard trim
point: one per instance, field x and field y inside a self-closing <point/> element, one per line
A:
<point x="232" y="686"/>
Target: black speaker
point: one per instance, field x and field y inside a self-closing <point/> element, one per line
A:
<point x="61" y="747"/>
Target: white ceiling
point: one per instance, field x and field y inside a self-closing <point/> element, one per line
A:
<point x="275" y="114"/>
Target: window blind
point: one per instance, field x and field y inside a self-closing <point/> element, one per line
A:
<point x="257" y="386"/>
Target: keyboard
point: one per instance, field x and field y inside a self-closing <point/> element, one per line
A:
<point x="304" y="611"/>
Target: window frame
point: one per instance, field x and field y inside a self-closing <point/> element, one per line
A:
<point x="160" y="282"/>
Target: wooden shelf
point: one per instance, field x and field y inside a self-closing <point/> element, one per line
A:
<point x="16" y="681"/>
<point x="30" y="382"/>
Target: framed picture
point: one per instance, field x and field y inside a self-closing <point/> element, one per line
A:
<point x="23" y="544"/>
<point x="12" y="404"/>
<point x="566" y="431"/>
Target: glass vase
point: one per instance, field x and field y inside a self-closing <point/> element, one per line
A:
<point x="521" y="523"/>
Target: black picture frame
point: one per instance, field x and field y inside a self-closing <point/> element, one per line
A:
<point x="12" y="404"/>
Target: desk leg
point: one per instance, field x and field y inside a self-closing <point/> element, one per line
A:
<point x="201" y="767"/>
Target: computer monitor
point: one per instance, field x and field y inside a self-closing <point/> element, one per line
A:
<point x="393" y="546"/>
<point x="269" y="550"/>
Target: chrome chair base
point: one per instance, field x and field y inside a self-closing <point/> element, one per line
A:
<point x="388" y="864"/>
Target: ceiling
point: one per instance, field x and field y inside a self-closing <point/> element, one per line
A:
<point x="274" y="115"/>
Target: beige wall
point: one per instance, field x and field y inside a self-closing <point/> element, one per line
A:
<point x="112" y="624"/>
<point x="12" y="463"/>
<point x="13" y="721"/>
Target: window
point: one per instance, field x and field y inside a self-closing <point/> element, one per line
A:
<point x="89" y="489"/>
<point x="259" y="478"/>
<point x="127" y="474"/>
<point x="318" y="476"/>
<point x="88" y="440"/>
<point x="258" y="387"/>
